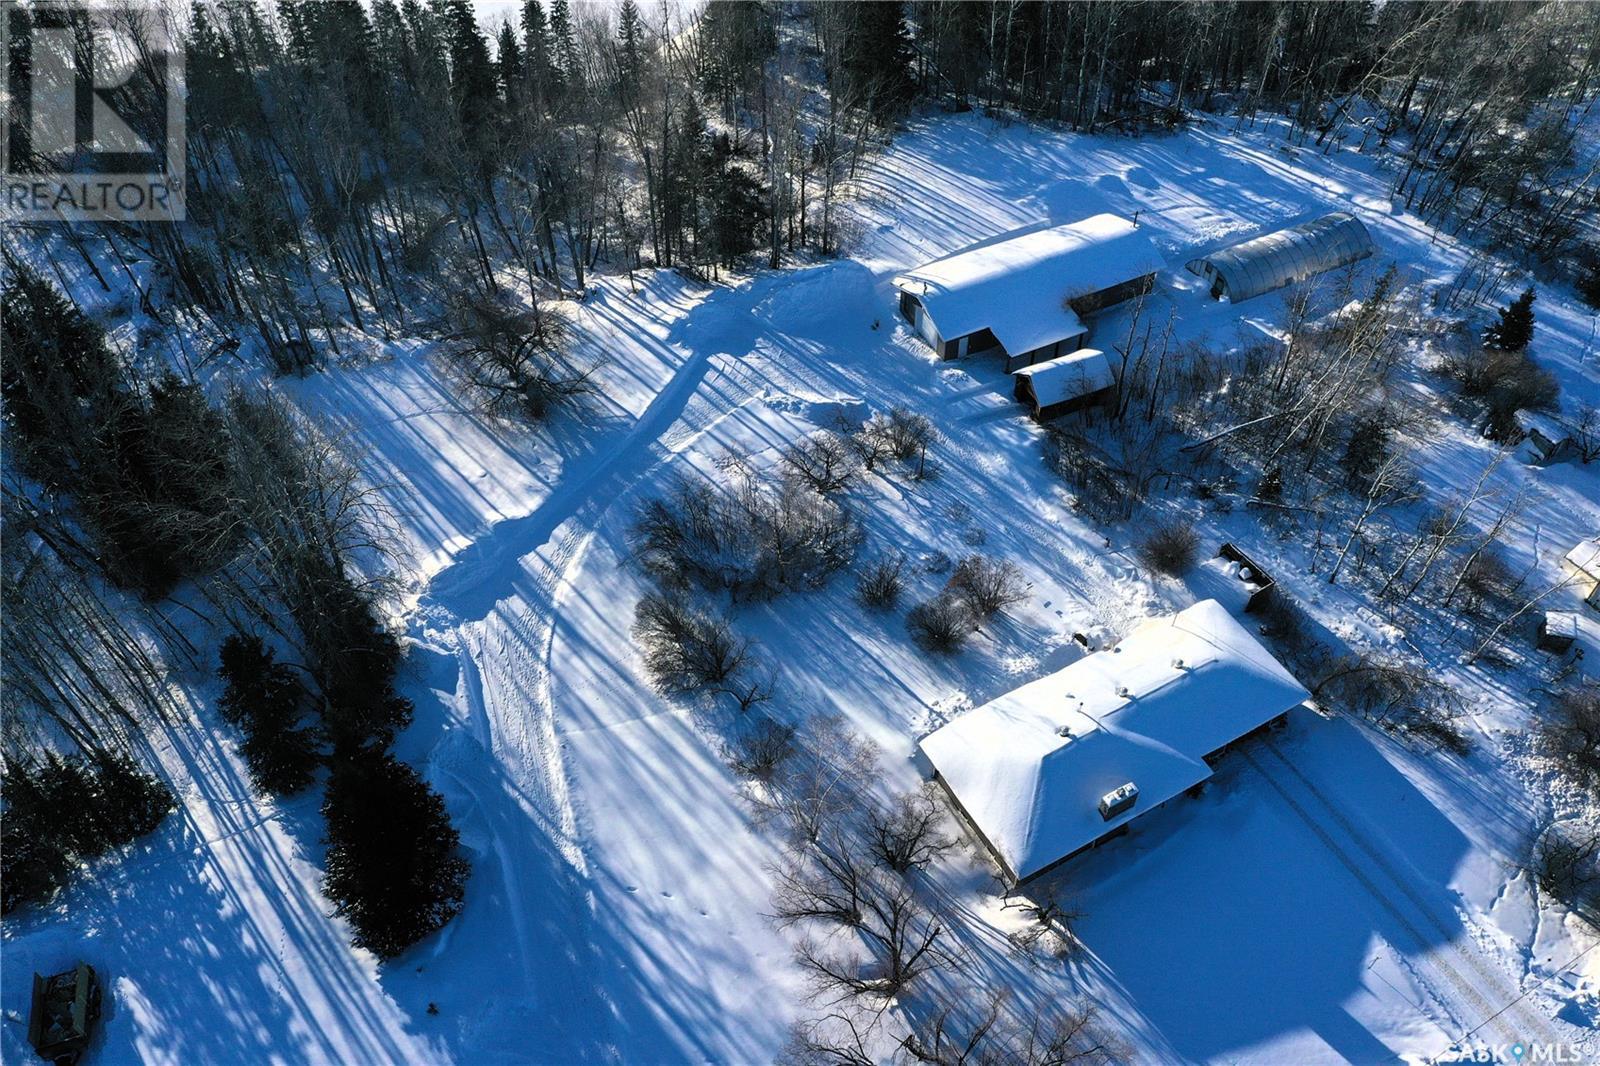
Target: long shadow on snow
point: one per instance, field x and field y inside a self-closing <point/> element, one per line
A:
<point x="1228" y="921"/>
<point x="483" y="573"/>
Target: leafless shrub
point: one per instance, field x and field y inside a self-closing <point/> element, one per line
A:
<point x="1583" y="429"/>
<point x="1284" y="622"/>
<point x="1106" y="486"/>
<point x="685" y="649"/>
<point x="822" y="786"/>
<point x="509" y="360"/>
<point x="941" y="624"/>
<point x="1571" y="733"/>
<point x="1486" y="583"/>
<point x="901" y="434"/>
<point x="750" y="692"/>
<point x="1566" y="867"/>
<point x="1170" y="548"/>
<point x="1505" y="383"/>
<point x="988" y="586"/>
<point x="907" y="834"/>
<point x="752" y="540"/>
<point x="761" y="749"/>
<point x="1050" y="922"/>
<point x="880" y="584"/>
<point x="839" y="1038"/>
<point x="825" y="460"/>
<point x="1398" y="696"/>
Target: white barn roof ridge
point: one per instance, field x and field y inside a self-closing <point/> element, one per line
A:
<point x="1017" y="286"/>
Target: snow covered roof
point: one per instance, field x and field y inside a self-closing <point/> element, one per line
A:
<point x="1067" y="377"/>
<point x="1274" y="260"/>
<point x="1031" y="767"/>
<point x="1017" y="287"/>
<point x="1585" y="558"/>
<point x="1561" y="624"/>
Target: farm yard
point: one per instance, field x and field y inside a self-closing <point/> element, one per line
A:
<point x="1354" y="886"/>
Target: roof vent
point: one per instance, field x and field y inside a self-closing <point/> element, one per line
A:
<point x="1178" y="664"/>
<point x="1125" y="692"/>
<point x="1118" y="800"/>
<point x="1064" y="731"/>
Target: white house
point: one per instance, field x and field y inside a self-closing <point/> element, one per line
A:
<point x="1022" y="296"/>
<point x="1057" y="766"/>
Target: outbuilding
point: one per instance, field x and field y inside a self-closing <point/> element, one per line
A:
<point x="1557" y="631"/>
<point x="1066" y="383"/>
<point x="1023" y="296"/>
<point x="1063" y="763"/>
<point x="1273" y="260"/>
<point x="1584" y="564"/>
<point x="1548" y="441"/>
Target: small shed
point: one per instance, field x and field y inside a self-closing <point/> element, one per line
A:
<point x="1557" y="631"/>
<point x="1584" y="563"/>
<point x="1548" y="440"/>
<point x="1255" y="578"/>
<point x="1284" y="257"/>
<point x="1066" y="383"/>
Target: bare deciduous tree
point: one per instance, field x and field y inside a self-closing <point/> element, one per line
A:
<point x="907" y="834"/>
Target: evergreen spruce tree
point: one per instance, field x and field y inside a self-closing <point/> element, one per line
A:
<point x="1514" y="331"/>
<point x="354" y="659"/>
<point x="878" y="56"/>
<point x="509" y="66"/>
<point x="262" y="698"/>
<point x="35" y="858"/>
<point x="736" y="201"/>
<point x="61" y="811"/>
<point x="131" y="802"/>
<point x="394" y="867"/>
<point x="473" y="79"/>
<point x="630" y="51"/>
<point x="536" y="54"/>
<point x="564" y="47"/>
<point x="57" y="377"/>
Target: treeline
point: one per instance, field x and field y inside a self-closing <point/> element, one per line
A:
<point x="1479" y="99"/>
<point x="350" y="164"/>
<point x="148" y="484"/>
<point x="347" y="162"/>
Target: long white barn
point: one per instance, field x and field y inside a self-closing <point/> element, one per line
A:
<point x="1060" y="764"/>
<point x="1023" y="295"/>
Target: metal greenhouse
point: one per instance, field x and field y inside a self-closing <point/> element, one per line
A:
<point x="1274" y="260"/>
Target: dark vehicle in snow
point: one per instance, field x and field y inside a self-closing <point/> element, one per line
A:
<point x="64" y="1012"/>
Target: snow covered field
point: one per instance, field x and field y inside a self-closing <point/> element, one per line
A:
<point x="1332" y="896"/>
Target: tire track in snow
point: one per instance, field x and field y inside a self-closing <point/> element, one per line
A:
<point x="501" y="600"/>
<point x="1515" y="1009"/>
<point x="1444" y="941"/>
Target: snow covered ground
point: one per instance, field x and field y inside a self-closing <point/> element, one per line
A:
<point x="1332" y="895"/>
